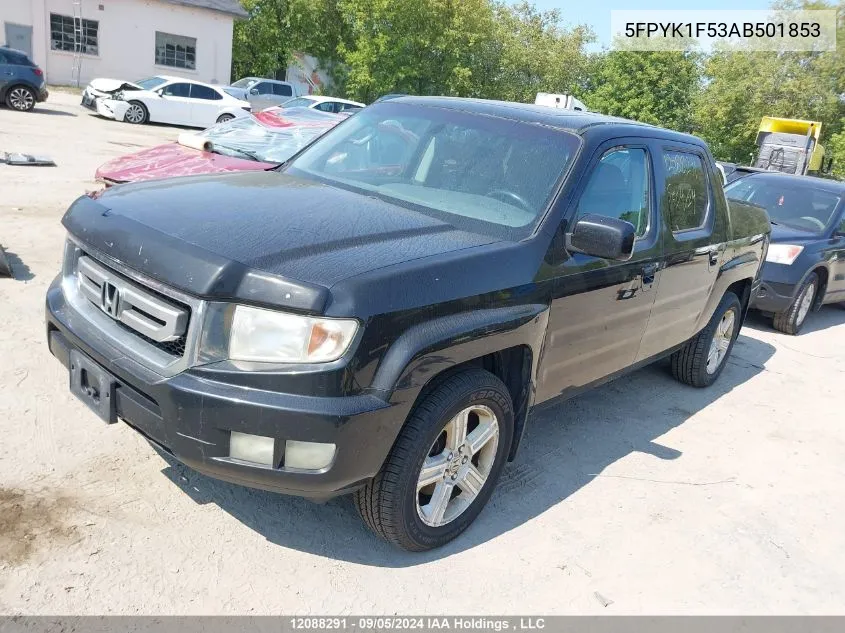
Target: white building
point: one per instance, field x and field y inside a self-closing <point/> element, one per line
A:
<point x="76" y="40"/>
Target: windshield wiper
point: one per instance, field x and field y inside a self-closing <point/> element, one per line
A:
<point x="243" y="152"/>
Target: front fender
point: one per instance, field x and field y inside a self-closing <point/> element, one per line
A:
<point x="427" y="350"/>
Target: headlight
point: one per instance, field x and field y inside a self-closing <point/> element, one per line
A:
<point x="783" y="253"/>
<point x="279" y="337"/>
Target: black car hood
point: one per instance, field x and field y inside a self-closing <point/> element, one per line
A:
<point x="782" y="233"/>
<point x="259" y="236"/>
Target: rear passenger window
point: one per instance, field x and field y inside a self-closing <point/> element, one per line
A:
<point x="204" y="92"/>
<point x="686" y="197"/>
<point x="619" y="188"/>
<point x="282" y="90"/>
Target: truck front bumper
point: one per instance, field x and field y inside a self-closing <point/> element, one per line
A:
<point x="192" y="416"/>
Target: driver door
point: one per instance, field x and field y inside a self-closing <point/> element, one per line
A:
<point x="600" y="308"/>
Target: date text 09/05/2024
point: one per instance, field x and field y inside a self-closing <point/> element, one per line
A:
<point x="399" y="623"/>
<point x="723" y="29"/>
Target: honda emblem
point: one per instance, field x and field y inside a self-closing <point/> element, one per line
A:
<point x="110" y="300"/>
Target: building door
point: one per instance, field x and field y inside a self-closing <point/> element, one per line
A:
<point x="20" y="37"/>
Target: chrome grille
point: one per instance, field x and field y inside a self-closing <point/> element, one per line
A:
<point x="161" y="322"/>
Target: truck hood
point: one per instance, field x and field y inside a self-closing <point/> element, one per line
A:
<point x="259" y="236"/>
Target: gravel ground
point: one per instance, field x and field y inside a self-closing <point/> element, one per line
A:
<point x="643" y="496"/>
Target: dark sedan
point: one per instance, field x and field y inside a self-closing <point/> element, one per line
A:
<point x="805" y="265"/>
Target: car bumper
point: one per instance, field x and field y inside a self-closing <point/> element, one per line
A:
<point x="111" y="108"/>
<point x="773" y="297"/>
<point x="42" y="95"/>
<point x="192" y="417"/>
<point x="777" y="288"/>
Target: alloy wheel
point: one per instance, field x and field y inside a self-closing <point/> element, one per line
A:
<point x="721" y="342"/>
<point x="806" y="304"/>
<point x="21" y="99"/>
<point x="134" y="114"/>
<point x="457" y="466"/>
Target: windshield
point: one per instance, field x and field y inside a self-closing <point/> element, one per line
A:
<point x="798" y="205"/>
<point x="485" y="173"/>
<point x="246" y="82"/>
<point x="269" y="136"/>
<point x="150" y="83"/>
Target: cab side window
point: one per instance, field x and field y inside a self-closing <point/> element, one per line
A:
<point x="282" y="90"/>
<point x="687" y="197"/>
<point x="619" y="188"/>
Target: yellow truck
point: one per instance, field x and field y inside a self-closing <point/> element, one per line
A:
<point x="790" y="146"/>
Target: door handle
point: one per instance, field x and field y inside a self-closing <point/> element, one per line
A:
<point x="649" y="273"/>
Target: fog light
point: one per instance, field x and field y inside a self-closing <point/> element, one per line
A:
<point x="308" y="455"/>
<point x="251" y="448"/>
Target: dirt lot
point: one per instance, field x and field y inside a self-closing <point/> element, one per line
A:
<point x="643" y="496"/>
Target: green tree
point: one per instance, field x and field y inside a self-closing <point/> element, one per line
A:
<point x="741" y="87"/>
<point x="420" y="47"/>
<point x="657" y="87"/>
<point x="533" y="53"/>
<point x="835" y="149"/>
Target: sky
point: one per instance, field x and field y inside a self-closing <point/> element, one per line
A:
<point x="596" y="13"/>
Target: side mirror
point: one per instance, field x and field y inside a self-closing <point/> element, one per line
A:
<point x="603" y="237"/>
<point x="253" y="91"/>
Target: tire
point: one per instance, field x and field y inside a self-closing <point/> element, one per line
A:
<point x="397" y="508"/>
<point x="791" y="320"/>
<point x="698" y="363"/>
<point x="20" y="98"/>
<point x="225" y="117"/>
<point x="137" y="106"/>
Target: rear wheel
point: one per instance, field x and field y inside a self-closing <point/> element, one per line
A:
<point x="224" y="117"/>
<point x="20" y="98"/>
<point x="700" y="361"/>
<point x="791" y="320"/>
<point x="444" y="464"/>
<point x="136" y="113"/>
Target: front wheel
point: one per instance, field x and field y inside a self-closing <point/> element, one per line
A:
<point x="700" y="361"/>
<point x="444" y="464"/>
<point x="791" y="320"/>
<point x="136" y="113"/>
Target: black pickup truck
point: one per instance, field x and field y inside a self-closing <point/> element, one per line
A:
<point x="380" y="314"/>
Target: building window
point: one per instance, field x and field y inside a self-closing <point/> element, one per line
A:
<point x="176" y="50"/>
<point x="64" y="37"/>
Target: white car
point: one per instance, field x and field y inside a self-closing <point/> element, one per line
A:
<point x="105" y="88"/>
<point x="325" y="104"/>
<point x="176" y="101"/>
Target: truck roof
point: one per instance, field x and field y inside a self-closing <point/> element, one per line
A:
<point x="569" y="120"/>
